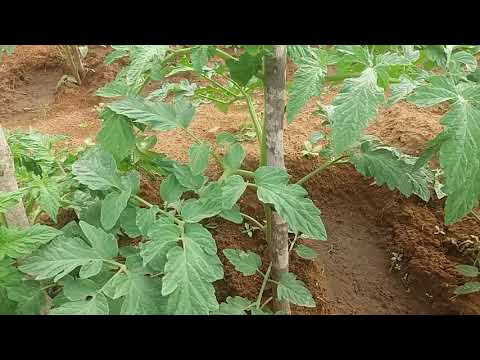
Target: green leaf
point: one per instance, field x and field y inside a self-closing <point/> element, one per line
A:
<point x="159" y="116"/>
<point x="232" y="215"/>
<point x="10" y="199"/>
<point x="62" y="256"/>
<point x="104" y="244"/>
<point x="198" y="156"/>
<point x="305" y="252"/>
<point x="246" y="262"/>
<point x="232" y="161"/>
<point x="118" y="87"/>
<point x="30" y="298"/>
<point x="115" y="55"/>
<point x="243" y="69"/>
<point x="49" y="196"/>
<point x="171" y="190"/>
<point x="161" y="238"/>
<point x="233" y="306"/>
<point x="467" y="270"/>
<point x="146" y="218"/>
<point x="432" y="148"/>
<point x="116" y="135"/>
<point x="98" y="305"/>
<point x="290" y="202"/>
<point x="225" y="138"/>
<point x="401" y="90"/>
<point x="112" y="207"/>
<point x="465" y="58"/>
<point x="16" y="243"/>
<point x="128" y="223"/>
<point x="209" y="204"/>
<point x="307" y="82"/>
<point x="460" y="160"/>
<point x="7" y="306"/>
<point x="200" y="57"/>
<point x="294" y="291"/>
<point x="190" y="272"/>
<point x="468" y="288"/>
<point x="439" y="89"/>
<point x="143" y="60"/>
<point x="143" y="296"/>
<point x="232" y="189"/>
<point x="353" y="107"/>
<point x="79" y="289"/>
<point x="97" y="170"/>
<point x="185" y="177"/>
<point x="390" y="167"/>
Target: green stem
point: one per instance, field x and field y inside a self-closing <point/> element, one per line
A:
<point x="253" y="220"/>
<point x="121" y="266"/>
<point x="216" y="83"/>
<point x="266" y="302"/>
<point x="217" y="158"/>
<point x="3" y="221"/>
<point x="320" y="169"/>
<point x="224" y="55"/>
<point x="176" y="53"/>
<point x="264" y="283"/>
<point x="138" y="198"/>
<point x="257" y="126"/>
<point x="245" y="173"/>
<point x="48" y="287"/>
<point x="293" y="243"/>
<point x="214" y="100"/>
<point x="252" y="185"/>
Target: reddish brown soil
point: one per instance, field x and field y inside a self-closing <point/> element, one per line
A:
<point x="365" y="223"/>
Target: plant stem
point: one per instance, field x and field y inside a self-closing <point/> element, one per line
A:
<point x="216" y="83"/>
<point x="266" y="302"/>
<point x="176" y="53"/>
<point x="224" y="55"/>
<point x="213" y="99"/>
<point x="253" y="220"/>
<point x="257" y="126"/>
<point x="138" y="198"/>
<point x="245" y="173"/>
<point x="264" y="283"/>
<point x="293" y="243"/>
<point x="217" y="158"/>
<point x="48" y="287"/>
<point x="121" y="266"/>
<point x="320" y="169"/>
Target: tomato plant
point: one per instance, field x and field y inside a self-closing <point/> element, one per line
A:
<point x="81" y="269"/>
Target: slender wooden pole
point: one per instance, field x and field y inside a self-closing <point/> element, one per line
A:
<point x="16" y="216"/>
<point x="275" y="83"/>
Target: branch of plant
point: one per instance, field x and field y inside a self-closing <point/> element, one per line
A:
<point x="266" y="302"/>
<point x="121" y="267"/>
<point x="262" y="227"/>
<point x="264" y="283"/>
<point x="320" y="169"/>
<point x="293" y="243"/>
<point x="253" y="115"/>
<point x="217" y="84"/>
<point x="214" y="99"/>
<point x="138" y="198"/>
